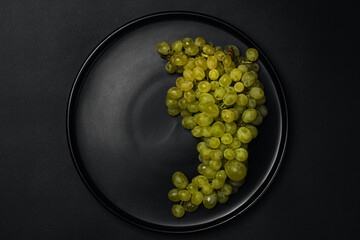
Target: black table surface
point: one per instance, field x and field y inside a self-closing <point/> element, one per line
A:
<point x="313" y="47"/>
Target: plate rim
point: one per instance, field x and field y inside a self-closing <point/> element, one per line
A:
<point x="85" y="177"/>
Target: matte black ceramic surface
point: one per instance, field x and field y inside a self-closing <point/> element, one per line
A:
<point x="125" y="145"/>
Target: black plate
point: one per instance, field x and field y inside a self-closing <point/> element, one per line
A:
<point x="126" y="147"/>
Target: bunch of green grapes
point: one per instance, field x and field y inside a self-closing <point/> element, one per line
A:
<point x="221" y="101"/>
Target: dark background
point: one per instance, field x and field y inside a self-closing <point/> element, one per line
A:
<point x="313" y="47"/>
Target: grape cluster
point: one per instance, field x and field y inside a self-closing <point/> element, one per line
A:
<point x="221" y="101"/>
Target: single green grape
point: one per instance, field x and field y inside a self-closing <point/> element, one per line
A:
<point x="200" y="180"/>
<point x="192" y="187"/>
<point x="210" y="200"/>
<point x="197" y="198"/>
<point x="217" y="183"/>
<point x="214" y="142"/>
<point x="208" y="49"/>
<point x="188" y="74"/>
<point x="190" y="207"/>
<point x="236" y="143"/>
<point x="230" y="98"/>
<point x="200" y="146"/>
<point x="220" y="68"/>
<point x="186" y="84"/>
<point x="242" y="100"/>
<point x="179" y="180"/>
<point x="206" y="131"/>
<point x="253" y="130"/>
<point x="251" y="102"/>
<point x="227" y="115"/>
<point x="206" y="153"/>
<point x="178" y="210"/>
<point x="173" y="195"/>
<point x="170" y="68"/>
<point x="219" y="93"/>
<point x="214" y="84"/>
<point x="236" y="74"/>
<point x="199" y="73"/>
<point x="221" y="175"/>
<point x="227" y="61"/>
<point x="180" y="59"/>
<point x="219" y="55"/>
<point x="174" y="111"/>
<point x="189" y="122"/>
<point x="249" y="115"/>
<point x="211" y="109"/>
<point x="163" y="48"/>
<point x="184" y="195"/>
<point x="211" y="62"/>
<point x="196" y="131"/>
<point x="187" y="41"/>
<point x="249" y="78"/>
<point x="182" y="103"/>
<point x="256" y="93"/>
<point x="239" y="87"/>
<point x="226" y="138"/>
<point x="185" y="113"/>
<point x="192" y="49"/>
<point x="259" y="118"/>
<point x="204" y="119"/>
<point x="193" y="107"/>
<point x="206" y="98"/>
<point x="189" y="96"/>
<point x="235" y="170"/>
<point x="225" y="80"/>
<point x="214" y="74"/>
<point x="216" y="154"/>
<point x="221" y="197"/>
<point x="243" y="68"/>
<point x="204" y="86"/>
<point x="200" y="42"/>
<point x="230" y="128"/>
<point x="207" y="188"/>
<point x="241" y="154"/>
<point x="252" y="54"/>
<point x="171" y="102"/>
<point x="244" y="135"/>
<point x="229" y="154"/>
<point x="201" y="62"/>
<point x="215" y="164"/>
<point x="190" y="64"/>
<point x="218" y="129"/>
<point x="226" y="189"/>
<point x="177" y="46"/>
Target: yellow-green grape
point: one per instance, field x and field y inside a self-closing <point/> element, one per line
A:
<point x="192" y="187"/>
<point x="190" y="207"/>
<point x="211" y="109"/>
<point x="197" y="131"/>
<point x="216" y="154"/>
<point x="230" y="98"/>
<point x="214" y="74"/>
<point x="187" y="41"/>
<point x="249" y="115"/>
<point x="222" y="147"/>
<point x="253" y="130"/>
<point x="179" y="69"/>
<point x="175" y="92"/>
<point x="170" y="68"/>
<point x="236" y="113"/>
<point x="200" y="146"/>
<point x="192" y="49"/>
<point x="180" y="59"/>
<point x="244" y="135"/>
<point x="197" y="198"/>
<point x="226" y="138"/>
<point x="200" y="42"/>
<point x="184" y="195"/>
<point x="204" y="86"/>
<point x="190" y="64"/>
<point x="179" y="180"/>
<point x="252" y="54"/>
<point x="210" y="200"/>
<point x="236" y="143"/>
<point x="206" y="98"/>
<point x="173" y="195"/>
<point x="226" y="189"/>
<point x="241" y="154"/>
<point x="217" y="183"/>
<point x="193" y="107"/>
<point x="242" y="100"/>
<point x="209" y="173"/>
<point x="185" y="113"/>
<point x="186" y="84"/>
<point x="219" y="55"/>
<point x="221" y="197"/>
<point x="178" y="210"/>
<point x="225" y="80"/>
<point x="227" y="61"/>
<point x="214" y="84"/>
<point x="235" y="170"/>
<point x="199" y="73"/>
<point x="188" y="122"/>
<point x="239" y="108"/>
<point x="219" y="93"/>
<point x="249" y="78"/>
<point x="188" y="74"/>
<point x="211" y="62"/>
<point x="200" y="180"/>
<point x="227" y="115"/>
<point x="261" y="101"/>
<point x="174" y="111"/>
<point x="230" y="128"/>
<point x="182" y="103"/>
<point x="201" y="62"/>
<point x="256" y="93"/>
<point x="221" y="175"/>
<point x="218" y="129"/>
<point x="230" y="89"/>
<point x="208" y="49"/>
<point x="263" y="110"/>
<point x="251" y="102"/>
<point x="243" y="68"/>
<point x="177" y="46"/>
<point x="179" y="81"/>
<point x="215" y="164"/>
<point x="171" y="102"/>
<point x="206" y="153"/>
<point x="206" y="131"/>
<point x="229" y="154"/>
<point x="236" y="74"/>
<point x="204" y="119"/>
<point x="214" y="142"/>
<point x="220" y="68"/>
<point x="163" y="48"/>
<point x="239" y="87"/>
<point x="189" y="96"/>
<point x="207" y="188"/>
